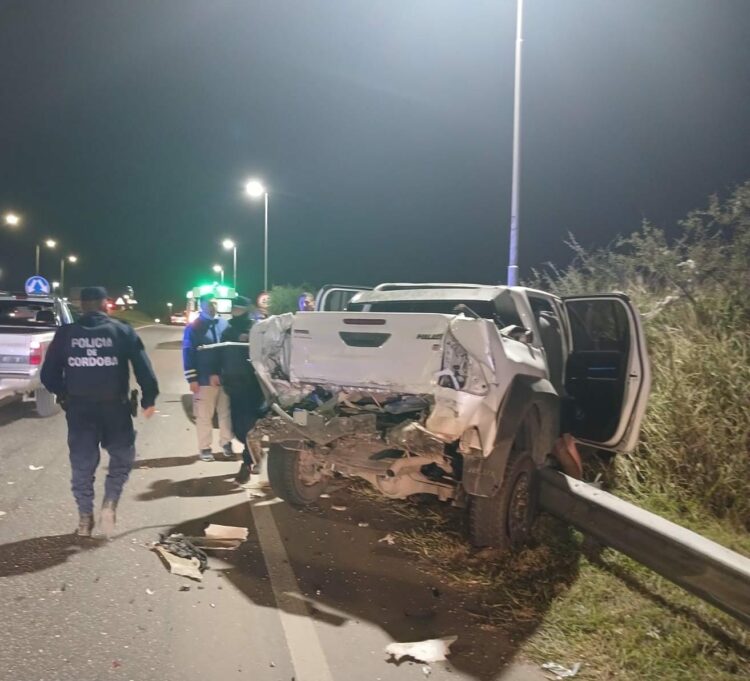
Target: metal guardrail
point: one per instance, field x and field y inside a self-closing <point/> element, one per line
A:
<point x="712" y="572"/>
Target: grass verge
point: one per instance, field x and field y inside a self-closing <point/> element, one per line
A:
<point x="574" y="603"/>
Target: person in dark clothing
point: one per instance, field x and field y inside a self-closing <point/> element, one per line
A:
<point x="87" y="367"/>
<point x="239" y="380"/>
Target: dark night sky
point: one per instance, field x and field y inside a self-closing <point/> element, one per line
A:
<point x="382" y="128"/>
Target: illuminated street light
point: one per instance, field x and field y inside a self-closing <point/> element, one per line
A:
<point x="229" y="245"/>
<point x="72" y="259"/>
<point x="49" y="243"/>
<point x="255" y="189"/>
<point x="219" y="270"/>
<point x="12" y="220"/>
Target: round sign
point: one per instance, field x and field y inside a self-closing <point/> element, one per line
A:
<point x="37" y="286"/>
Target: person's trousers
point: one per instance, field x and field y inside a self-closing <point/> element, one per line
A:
<point x="245" y="400"/>
<point x="206" y="401"/>
<point x="92" y="424"/>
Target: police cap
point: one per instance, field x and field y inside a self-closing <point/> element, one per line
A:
<point x="240" y="301"/>
<point x="93" y="293"/>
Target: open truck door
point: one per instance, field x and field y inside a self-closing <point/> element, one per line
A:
<point x="607" y="374"/>
<point x="334" y="298"/>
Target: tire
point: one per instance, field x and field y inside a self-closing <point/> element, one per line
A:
<point x="287" y="479"/>
<point x="45" y="403"/>
<point x="504" y="521"/>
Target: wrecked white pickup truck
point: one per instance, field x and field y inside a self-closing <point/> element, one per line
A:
<point x="455" y="390"/>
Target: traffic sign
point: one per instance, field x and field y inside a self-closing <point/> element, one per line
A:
<point x="37" y="286"/>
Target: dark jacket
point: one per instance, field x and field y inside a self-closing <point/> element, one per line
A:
<point x="200" y="365"/>
<point x="235" y="360"/>
<point x="90" y="359"/>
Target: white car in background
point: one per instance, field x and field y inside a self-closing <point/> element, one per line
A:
<point x="27" y="325"/>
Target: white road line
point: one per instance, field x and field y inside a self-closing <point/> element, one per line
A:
<point x="308" y="658"/>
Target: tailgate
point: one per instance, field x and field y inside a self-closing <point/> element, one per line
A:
<point x="399" y="352"/>
<point x="14" y="353"/>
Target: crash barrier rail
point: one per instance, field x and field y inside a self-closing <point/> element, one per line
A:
<point x="712" y="572"/>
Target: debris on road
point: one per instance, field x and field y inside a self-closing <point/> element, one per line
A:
<point x="149" y="592"/>
<point x="338" y="508"/>
<point x="182" y="567"/>
<point x="432" y="650"/>
<point x="184" y="587"/>
<point x="561" y="672"/>
<point x="363" y="524"/>
<point x="325" y="496"/>
<point x="427" y="670"/>
<point x="182" y="557"/>
<point x="388" y="539"/>
<point x="226" y="532"/>
<point x="2" y="513"/>
<point x="32" y="467"/>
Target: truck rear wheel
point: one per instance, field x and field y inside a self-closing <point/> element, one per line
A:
<point x="295" y="475"/>
<point x="45" y="403"/>
<point x="504" y="520"/>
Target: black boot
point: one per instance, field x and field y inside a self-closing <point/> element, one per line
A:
<point x="243" y="475"/>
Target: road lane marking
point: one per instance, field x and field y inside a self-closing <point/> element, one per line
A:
<point x="308" y="658"/>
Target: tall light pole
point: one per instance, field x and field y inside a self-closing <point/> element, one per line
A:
<point x="169" y="310"/>
<point x="516" y="181"/>
<point x="72" y="259"/>
<point x="49" y="243"/>
<point x="219" y="270"/>
<point x="229" y="245"/>
<point x="255" y="189"/>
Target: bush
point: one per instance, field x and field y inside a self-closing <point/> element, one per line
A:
<point x="693" y="294"/>
<point x="285" y="298"/>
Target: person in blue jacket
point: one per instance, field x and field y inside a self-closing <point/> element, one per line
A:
<point x="87" y="368"/>
<point x="203" y="374"/>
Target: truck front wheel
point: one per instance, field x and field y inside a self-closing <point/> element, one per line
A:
<point x="505" y="519"/>
<point x="295" y="475"/>
<point x="45" y="403"/>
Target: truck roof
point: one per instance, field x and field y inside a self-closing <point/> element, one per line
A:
<point x="431" y="292"/>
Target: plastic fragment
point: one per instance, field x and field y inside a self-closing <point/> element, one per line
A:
<point x="431" y="650"/>
<point x="150" y="592"/>
<point x="226" y="532"/>
<point x="32" y="467"/>
<point x="561" y="672"/>
<point x="388" y="539"/>
<point x="338" y="508"/>
<point x="363" y="524"/>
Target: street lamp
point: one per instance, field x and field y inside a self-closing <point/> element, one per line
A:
<point x="169" y="310"/>
<point x="72" y="259"/>
<point x="11" y="219"/>
<point x="255" y="189"/>
<point x="219" y="269"/>
<point x="229" y="245"/>
<point x="49" y="243"/>
<point x="516" y="178"/>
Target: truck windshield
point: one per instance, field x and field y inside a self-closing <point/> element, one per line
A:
<point x="31" y="313"/>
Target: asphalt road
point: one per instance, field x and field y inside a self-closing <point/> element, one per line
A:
<point x="311" y="595"/>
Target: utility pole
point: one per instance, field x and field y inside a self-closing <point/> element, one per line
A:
<point x="516" y="181"/>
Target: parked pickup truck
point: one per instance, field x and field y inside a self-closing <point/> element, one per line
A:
<point x="27" y="325"/>
<point x="456" y="390"/>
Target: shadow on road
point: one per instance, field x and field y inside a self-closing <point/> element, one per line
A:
<point x="40" y="553"/>
<point x="13" y="409"/>
<point x="166" y="462"/>
<point x="344" y="574"/>
<point x="217" y="485"/>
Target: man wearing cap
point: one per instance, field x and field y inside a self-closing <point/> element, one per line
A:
<point x="239" y="380"/>
<point x="87" y="367"/>
<point x="202" y="371"/>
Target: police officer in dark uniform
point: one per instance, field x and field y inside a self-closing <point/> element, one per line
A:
<point x="86" y="366"/>
<point x="239" y="380"/>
